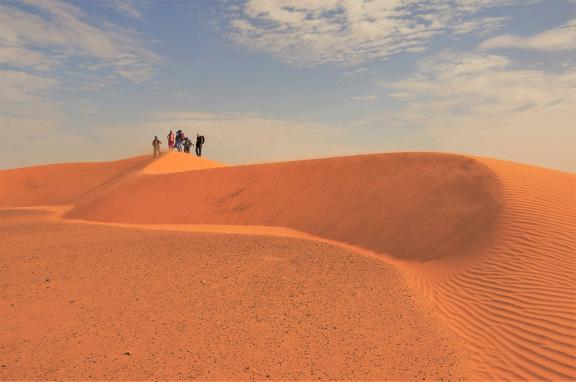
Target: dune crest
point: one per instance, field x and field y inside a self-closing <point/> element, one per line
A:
<point x="174" y="161"/>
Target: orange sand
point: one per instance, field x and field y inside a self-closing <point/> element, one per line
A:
<point x="453" y="266"/>
<point x="208" y="306"/>
<point x="61" y="183"/>
<point x="178" y="162"/>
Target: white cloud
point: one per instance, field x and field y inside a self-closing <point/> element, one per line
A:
<point x="482" y="27"/>
<point x="38" y="38"/>
<point x="126" y="7"/>
<point x="560" y="38"/>
<point x="483" y="104"/>
<point x="365" y="98"/>
<point x="353" y="31"/>
<point x="50" y="32"/>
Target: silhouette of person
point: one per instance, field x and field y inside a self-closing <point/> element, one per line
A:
<point x="156" y="145"/>
<point x="187" y="145"/>
<point x="199" y="142"/>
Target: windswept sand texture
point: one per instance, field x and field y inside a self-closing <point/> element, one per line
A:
<point x="453" y="266"/>
<point x="516" y="303"/>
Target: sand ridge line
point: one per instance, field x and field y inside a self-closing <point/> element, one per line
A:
<point x="58" y="212"/>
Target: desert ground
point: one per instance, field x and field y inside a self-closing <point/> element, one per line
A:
<point x="400" y="266"/>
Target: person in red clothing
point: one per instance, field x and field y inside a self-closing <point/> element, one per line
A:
<point x="171" y="140"/>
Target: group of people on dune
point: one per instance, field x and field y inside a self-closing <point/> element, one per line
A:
<point x="180" y="142"/>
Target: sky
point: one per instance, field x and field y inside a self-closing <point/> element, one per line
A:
<point x="274" y="80"/>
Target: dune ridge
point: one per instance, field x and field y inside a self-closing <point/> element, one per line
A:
<point x="378" y="202"/>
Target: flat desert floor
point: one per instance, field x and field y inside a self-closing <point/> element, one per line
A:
<point x="408" y="266"/>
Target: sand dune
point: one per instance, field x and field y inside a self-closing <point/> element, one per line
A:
<point x="379" y="202"/>
<point x="61" y="183"/>
<point x="487" y="246"/>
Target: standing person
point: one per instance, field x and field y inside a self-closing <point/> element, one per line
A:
<point x="170" y="140"/>
<point x="179" y="140"/>
<point x="199" y="142"/>
<point x="156" y="144"/>
<point x="187" y="145"/>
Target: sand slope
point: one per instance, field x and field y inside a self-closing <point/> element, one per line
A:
<point x="379" y="202"/>
<point x="61" y="183"/>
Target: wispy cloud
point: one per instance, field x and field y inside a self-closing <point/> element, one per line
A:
<point x="50" y="45"/>
<point x="24" y="94"/>
<point x="485" y="104"/>
<point x="126" y="7"/>
<point x="482" y="27"/>
<point x="364" y="98"/>
<point x="38" y="34"/>
<point x="349" y="32"/>
<point x="557" y="39"/>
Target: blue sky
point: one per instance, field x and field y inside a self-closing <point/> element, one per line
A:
<point x="270" y="80"/>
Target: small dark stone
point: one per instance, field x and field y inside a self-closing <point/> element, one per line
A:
<point x="127" y="353"/>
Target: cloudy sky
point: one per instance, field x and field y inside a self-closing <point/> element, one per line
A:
<point x="270" y="80"/>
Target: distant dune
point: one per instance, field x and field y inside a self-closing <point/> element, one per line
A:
<point x="486" y="246"/>
<point x="61" y="183"/>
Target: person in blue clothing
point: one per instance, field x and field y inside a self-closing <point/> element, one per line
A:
<point x="179" y="140"/>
